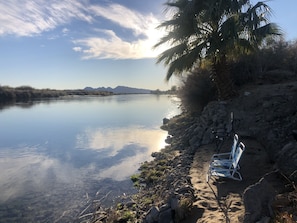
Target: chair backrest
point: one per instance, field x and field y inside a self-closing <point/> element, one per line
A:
<point x="234" y="145"/>
<point x="239" y="150"/>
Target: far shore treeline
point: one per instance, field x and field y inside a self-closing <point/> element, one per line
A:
<point x="27" y="93"/>
<point x="10" y="95"/>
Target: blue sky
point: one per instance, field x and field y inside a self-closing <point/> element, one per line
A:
<point x="71" y="44"/>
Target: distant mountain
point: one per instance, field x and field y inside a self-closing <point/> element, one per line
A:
<point x="120" y="90"/>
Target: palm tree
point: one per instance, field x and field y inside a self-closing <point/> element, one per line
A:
<point x="216" y="31"/>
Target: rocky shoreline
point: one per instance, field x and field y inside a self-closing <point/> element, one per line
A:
<point x="264" y="113"/>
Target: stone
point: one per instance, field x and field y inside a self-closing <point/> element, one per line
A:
<point x="166" y="216"/>
<point x="264" y="219"/>
<point x="194" y="140"/>
<point x="169" y="139"/>
<point x="174" y="203"/>
<point x="153" y="215"/>
<point x="257" y="200"/>
<point x="164" y="207"/>
<point x="287" y="160"/>
<point x="130" y="204"/>
<point x="165" y="121"/>
<point x="207" y="137"/>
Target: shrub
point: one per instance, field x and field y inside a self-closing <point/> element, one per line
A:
<point x="245" y="69"/>
<point x="276" y="57"/>
<point x="135" y="178"/>
<point x="197" y="90"/>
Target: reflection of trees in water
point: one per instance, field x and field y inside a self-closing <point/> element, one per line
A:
<point x="22" y="104"/>
<point x="35" y="101"/>
<point x="26" y="95"/>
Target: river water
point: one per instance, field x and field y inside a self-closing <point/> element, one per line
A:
<point x="57" y="156"/>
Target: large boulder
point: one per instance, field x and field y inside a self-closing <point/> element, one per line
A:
<point x="257" y="201"/>
<point x="287" y="160"/>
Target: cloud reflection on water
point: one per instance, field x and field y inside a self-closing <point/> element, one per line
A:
<point x="131" y="145"/>
<point x="114" y="153"/>
<point x="27" y="170"/>
<point x="55" y="155"/>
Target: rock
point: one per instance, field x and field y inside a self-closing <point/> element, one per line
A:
<point x="165" y="121"/>
<point x="166" y="216"/>
<point x="265" y="219"/>
<point x="164" y="207"/>
<point x="153" y="215"/>
<point x="208" y="137"/>
<point x="187" y="189"/>
<point x="287" y="160"/>
<point x="194" y="140"/>
<point x="294" y="133"/>
<point x="130" y="204"/>
<point x="168" y="140"/>
<point x="257" y="200"/>
<point x="174" y="203"/>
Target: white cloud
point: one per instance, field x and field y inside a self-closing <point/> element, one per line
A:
<point x="124" y="17"/>
<point x="114" y="47"/>
<point x="143" y="27"/>
<point x="31" y="17"/>
<point x="77" y="49"/>
<point x="65" y="31"/>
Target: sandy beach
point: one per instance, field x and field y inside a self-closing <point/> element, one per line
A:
<point x="220" y="200"/>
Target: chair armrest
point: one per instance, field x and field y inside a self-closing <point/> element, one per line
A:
<point x="220" y="164"/>
<point x="221" y="156"/>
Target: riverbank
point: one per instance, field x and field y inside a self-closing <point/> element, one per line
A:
<point x="9" y="95"/>
<point x="172" y="188"/>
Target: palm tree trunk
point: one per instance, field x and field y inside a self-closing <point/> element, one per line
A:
<point x="222" y="79"/>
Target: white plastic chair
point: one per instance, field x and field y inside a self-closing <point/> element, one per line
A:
<point x="227" y="169"/>
<point x="225" y="158"/>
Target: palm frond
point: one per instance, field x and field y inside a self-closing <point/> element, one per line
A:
<point x="265" y="31"/>
<point x="172" y="53"/>
<point x="212" y="29"/>
<point x="182" y="64"/>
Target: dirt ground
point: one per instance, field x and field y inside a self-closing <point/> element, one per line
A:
<point x="220" y="200"/>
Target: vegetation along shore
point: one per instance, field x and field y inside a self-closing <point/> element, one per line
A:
<point x="27" y="93"/>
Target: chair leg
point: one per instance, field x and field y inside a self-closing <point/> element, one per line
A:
<point x="238" y="177"/>
<point x="208" y="175"/>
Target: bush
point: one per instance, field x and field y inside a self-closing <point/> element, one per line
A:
<point x="276" y="57"/>
<point x="197" y="90"/>
<point x="245" y="69"/>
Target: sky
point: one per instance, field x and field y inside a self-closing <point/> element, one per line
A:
<point x="72" y="44"/>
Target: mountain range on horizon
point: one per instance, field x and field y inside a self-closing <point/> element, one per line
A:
<point x="120" y="90"/>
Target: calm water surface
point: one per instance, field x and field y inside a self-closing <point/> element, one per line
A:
<point x="57" y="156"/>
